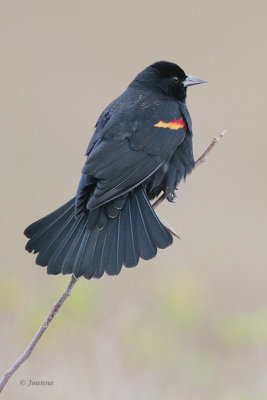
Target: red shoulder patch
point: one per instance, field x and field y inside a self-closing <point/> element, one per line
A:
<point x="175" y="124"/>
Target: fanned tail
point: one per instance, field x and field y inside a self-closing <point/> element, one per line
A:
<point x="98" y="241"/>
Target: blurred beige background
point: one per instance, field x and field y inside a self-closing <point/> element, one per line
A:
<point x="191" y="324"/>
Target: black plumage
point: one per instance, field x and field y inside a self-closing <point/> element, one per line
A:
<point x="142" y="146"/>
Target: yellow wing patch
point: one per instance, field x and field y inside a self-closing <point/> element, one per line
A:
<point x="174" y="125"/>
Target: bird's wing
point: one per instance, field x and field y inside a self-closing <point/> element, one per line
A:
<point x="132" y="146"/>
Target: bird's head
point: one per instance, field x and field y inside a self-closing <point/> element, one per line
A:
<point x="167" y="77"/>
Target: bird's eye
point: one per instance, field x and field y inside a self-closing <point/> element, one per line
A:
<point x="175" y="79"/>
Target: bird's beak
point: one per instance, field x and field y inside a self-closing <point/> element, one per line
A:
<point x="192" y="80"/>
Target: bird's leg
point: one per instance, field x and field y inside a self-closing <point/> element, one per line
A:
<point x="172" y="197"/>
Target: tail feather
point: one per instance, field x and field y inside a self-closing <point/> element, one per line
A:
<point x="93" y="217"/>
<point x="90" y="267"/>
<point x="56" y="261"/>
<point x="79" y="266"/>
<point x="85" y="254"/>
<point x="78" y="247"/>
<point x="41" y="234"/>
<point x="109" y="256"/>
<point x="56" y="239"/>
<point x="131" y="252"/>
<point x="108" y="244"/>
<point x="120" y="245"/>
<point x="67" y="266"/>
<point x="86" y="247"/>
<point x="147" y="247"/>
<point x="41" y="224"/>
<point x="159" y="233"/>
<point x="102" y="259"/>
<point x="115" y="259"/>
<point x="94" y="260"/>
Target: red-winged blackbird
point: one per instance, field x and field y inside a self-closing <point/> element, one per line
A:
<point x="142" y="145"/>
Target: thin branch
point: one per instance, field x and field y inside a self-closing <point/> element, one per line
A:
<point x="199" y="161"/>
<point x="204" y="157"/>
<point x="26" y="354"/>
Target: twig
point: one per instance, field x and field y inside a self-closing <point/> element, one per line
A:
<point x="199" y="161"/>
<point x="203" y="157"/>
<point x="26" y="354"/>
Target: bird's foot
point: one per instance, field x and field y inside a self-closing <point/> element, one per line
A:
<point x="172" y="197"/>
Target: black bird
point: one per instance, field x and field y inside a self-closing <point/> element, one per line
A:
<point x="142" y="146"/>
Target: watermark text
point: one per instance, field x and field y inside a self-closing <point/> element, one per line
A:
<point x="31" y="382"/>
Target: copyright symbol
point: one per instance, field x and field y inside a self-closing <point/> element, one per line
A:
<point x="23" y="382"/>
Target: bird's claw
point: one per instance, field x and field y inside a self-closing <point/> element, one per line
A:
<point x="172" y="197"/>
